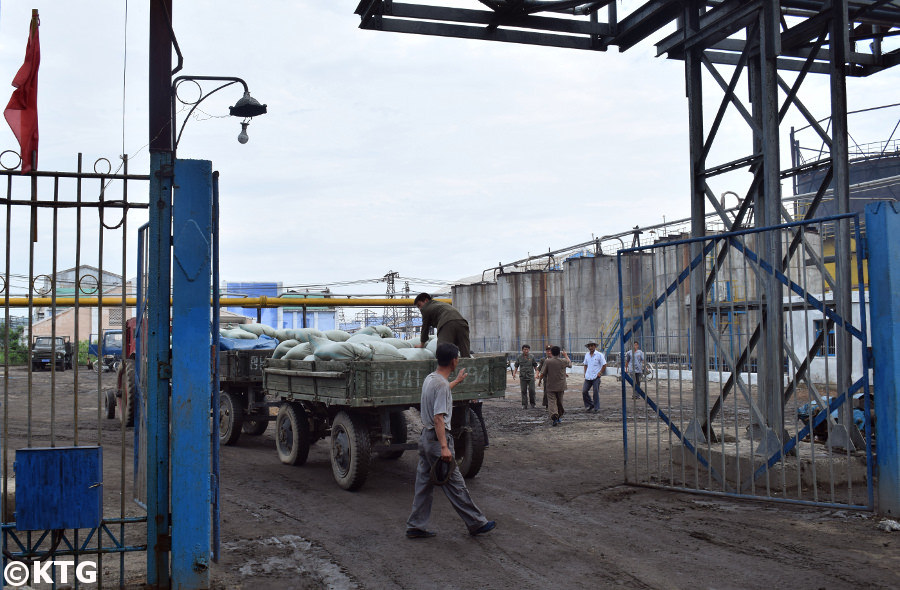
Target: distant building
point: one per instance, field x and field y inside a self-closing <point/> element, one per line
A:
<point x="320" y="318"/>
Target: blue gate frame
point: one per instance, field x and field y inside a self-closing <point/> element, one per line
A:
<point x="701" y="453"/>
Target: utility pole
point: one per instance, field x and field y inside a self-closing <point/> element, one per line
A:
<point x="390" y="313"/>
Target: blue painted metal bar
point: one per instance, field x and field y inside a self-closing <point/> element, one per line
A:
<point x="817" y="304"/>
<point x="882" y="228"/>
<point x="214" y="439"/>
<point x="862" y="253"/>
<point x="138" y="346"/>
<point x="622" y="339"/>
<point x="191" y="375"/>
<point x="159" y="369"/>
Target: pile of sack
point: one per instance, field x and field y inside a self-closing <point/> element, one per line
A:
<point x="372" y="343"/>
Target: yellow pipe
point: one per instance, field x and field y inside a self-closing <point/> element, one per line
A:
<point x="263" y="301"/>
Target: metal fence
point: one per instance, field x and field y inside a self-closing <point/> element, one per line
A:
<point x="69" y="249"/>
<point x="725" y="425"/>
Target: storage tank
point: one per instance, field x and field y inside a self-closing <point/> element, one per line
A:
<point x="592" y="298"/>
<point x="531" y="309"/>
<point x="477" y="303"/>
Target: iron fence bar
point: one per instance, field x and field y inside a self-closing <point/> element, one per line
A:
<point x="77" y="175"/>
<point x="756" y="498"/>
<point x="4" y="435"/>
<point x="862" y="253"/>
<point x="76" y="205"/>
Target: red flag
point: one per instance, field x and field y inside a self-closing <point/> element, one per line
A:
<point x="21" y="112"/>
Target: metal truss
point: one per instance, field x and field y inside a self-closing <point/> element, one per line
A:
<point x="762" y="40"/>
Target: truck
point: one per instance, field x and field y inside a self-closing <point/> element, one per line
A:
<point x="47" y="351"/>
<point x="359" y="406"/>
<point x="111" y="351"/>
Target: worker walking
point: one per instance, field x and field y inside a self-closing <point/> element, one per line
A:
<point x="451" y="326"/>
<point x="594" y="365"/>
<point x="437" y="464"/>
<point x="525" y="364"/>
<point x="547" y="355"/>
<point x="554" y="375"/>
<point x="634" y="365"/>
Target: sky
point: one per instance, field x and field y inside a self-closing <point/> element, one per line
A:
<point x="436" y="158"/>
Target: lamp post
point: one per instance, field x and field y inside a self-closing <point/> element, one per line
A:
<point x="246" y="107"/>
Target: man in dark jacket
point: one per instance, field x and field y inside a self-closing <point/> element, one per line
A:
<point x="554" y="375"/>
<point x="451" y="326"/>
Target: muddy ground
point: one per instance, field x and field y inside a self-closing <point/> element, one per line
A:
<point x="564" y="517"/>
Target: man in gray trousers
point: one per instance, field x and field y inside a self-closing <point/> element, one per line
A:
<point x="436" y="444"/>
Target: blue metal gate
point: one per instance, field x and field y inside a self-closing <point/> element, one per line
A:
<point x="716" y="425"/>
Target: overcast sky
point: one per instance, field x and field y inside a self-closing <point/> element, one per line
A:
<point x="433" y="157"/>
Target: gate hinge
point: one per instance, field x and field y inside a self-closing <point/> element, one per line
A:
<point x="862" y="248"/>
<point x="164" y="370"/>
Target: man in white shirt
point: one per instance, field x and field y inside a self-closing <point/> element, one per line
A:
<point x="594" y="365"/>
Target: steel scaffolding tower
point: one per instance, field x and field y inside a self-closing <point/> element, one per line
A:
<point x="760" y="41"/>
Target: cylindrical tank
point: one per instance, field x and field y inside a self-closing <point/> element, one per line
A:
<point x="478" y="304"/>
<point x="591" y="296"/>
<point x="531" y="309"/>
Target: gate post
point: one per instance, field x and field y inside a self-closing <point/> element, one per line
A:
<point x="882" y="228"/>
<point x="191" y="375"/>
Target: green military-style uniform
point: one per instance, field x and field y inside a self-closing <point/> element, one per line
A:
<point x="526" y="363"/>
<point x="451" y="326"/>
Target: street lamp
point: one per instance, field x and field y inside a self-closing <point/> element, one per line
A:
<point x="246" y="107"/>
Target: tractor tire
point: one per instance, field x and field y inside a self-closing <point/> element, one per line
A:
<point x="469" y="447"/>
<point x="128" y="398"/>
<point x="255" y="427"/>
<point x="351" y="452"/>
<point x="110" y="404"/>
<point x="231" y="418"/>
<point x="292" y="434"/>
<point x="398" y="435"/>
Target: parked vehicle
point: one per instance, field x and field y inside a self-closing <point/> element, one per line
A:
<point x="111" y="350"/>
<point x="45" y="353"/>
<point x="242" y="399"/>
<point x="359" y="406"/>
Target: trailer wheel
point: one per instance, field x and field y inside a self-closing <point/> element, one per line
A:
<point x="110" y="404"/>
<point x="350" y="451"/>
<point x="255" y="427"/>
<point x="128" y="398"/>
<point x="231" y="418"/>
<point x="292" y="434"/>
<point x="398" y="435"/>
<point x="469" y="447"/>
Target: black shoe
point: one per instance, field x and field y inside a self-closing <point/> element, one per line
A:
<point x="419" y="534"/>
<point x="533" y="407"/>
<point x="485" y="528"/>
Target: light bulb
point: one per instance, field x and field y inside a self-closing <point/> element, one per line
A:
<point x="242" y="136"/>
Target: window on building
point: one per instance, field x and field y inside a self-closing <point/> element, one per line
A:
<point x="115" y="316"/>
<point x="829" y="345"/>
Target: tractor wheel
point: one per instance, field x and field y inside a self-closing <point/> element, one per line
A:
<point x="469" y="447"/>
<point x="110" y="404"/>
<point x="350" y="451"/>
<point x="128" y="399"/>
<point x="398" y="435"/>
<point x="255" y="427"/>
<point x="231" y="418"/>
<point x="292" y="434"/>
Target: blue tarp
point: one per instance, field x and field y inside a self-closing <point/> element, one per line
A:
<point x="262" y="343"/>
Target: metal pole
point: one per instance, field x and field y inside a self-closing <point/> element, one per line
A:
<point x="694" y="87"/>
<point x="159" y="368"/>
<point x="845" y="435"/>
<point x="882" y="227"/>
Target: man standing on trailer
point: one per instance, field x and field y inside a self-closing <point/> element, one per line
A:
<point x="451" y="326"/>
<point x="436" y="446"/>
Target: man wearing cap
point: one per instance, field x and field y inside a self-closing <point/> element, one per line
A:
<point x="594" y="365"/>
<point x="525" y="364"/>
<point x="451" y="326"/>
<point x="436" y="445"/>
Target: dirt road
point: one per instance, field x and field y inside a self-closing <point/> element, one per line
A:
<point x="565" y="519"/>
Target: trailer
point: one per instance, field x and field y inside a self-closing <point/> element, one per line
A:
<point x="359" y="407"/>
<point x="242" y="399"/>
